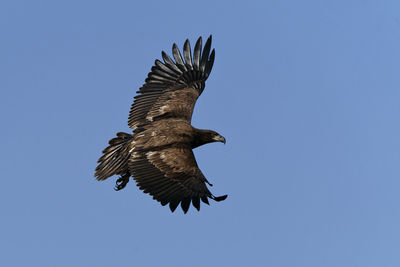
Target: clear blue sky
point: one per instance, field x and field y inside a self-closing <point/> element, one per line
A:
<point x="306" y="93"/>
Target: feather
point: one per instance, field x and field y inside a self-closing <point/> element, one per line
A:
<point x="185" y="204"/>
<point x="115" y="157"/>
<point x="164" y="74"/>
<point x="196" y="202"/>
<point x="166" y="69"/>
<point x="206" y="53"/>
<point x="197" y="54"/>
<point x="187" y="54"/>
<point x="210" y="63"/>
<point x="205" y="200"/>
<point x="220" y="198"/>
<point x="173" y="204"/>
<point x="178" y="58"/>
<point x="168" y="62"/>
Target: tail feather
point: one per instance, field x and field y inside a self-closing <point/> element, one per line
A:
<point x="115" y="157"/>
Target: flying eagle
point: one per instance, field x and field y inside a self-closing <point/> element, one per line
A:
<point x="158" y="155"/>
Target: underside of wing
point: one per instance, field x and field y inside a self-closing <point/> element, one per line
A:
<point x="171" y="175"/>
<point x="172" y="87"/>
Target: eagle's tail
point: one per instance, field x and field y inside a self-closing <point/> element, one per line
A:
<point x="115" y="158"/>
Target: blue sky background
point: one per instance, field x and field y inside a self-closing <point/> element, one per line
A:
<point x="306" y="92"/>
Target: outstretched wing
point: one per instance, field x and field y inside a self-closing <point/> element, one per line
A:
<point x="172" y="88"/>
<point x="171" y="175"/>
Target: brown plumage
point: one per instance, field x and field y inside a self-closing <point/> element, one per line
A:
<point x="158" y="155"/>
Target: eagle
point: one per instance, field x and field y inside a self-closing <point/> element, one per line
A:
<point x="158" y="154"/>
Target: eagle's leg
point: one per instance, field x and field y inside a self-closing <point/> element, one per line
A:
<point x="122" y="181"/>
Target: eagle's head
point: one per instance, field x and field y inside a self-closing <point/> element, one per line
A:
<point x="216" y="137"/>
<point x="202" y="137"/>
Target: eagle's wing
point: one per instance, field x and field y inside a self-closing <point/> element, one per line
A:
<point x="171" y="175"/>
<point x="172" y="88"/>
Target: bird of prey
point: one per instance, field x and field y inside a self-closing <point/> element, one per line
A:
<point x="158" y="155"/>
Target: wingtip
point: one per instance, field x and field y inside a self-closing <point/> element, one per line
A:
<point x="197" y="53"/>
<point x="173" y="205"/>
<point x="187" y="54"/>
<point x="196" y="203"/>
<point x="185" y="205"/>
<point x="212" y="55"/>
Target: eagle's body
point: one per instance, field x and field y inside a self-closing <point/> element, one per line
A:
<point x="158" y="155"/>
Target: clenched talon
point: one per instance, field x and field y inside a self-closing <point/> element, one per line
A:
<point x="121" y="182"/>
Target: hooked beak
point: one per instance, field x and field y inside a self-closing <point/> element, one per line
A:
<point x="221" y="139"/>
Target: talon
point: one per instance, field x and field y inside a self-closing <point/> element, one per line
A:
<point x="121" y="182"/>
